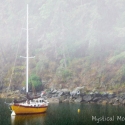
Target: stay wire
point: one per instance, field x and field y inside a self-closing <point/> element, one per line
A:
<point x="15" y="60"/>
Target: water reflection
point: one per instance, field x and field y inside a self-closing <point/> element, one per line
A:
<point x="28" y="119"/>
<point x="65" y="114"/>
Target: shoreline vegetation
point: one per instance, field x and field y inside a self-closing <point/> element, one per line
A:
<point x="75" y="44"/>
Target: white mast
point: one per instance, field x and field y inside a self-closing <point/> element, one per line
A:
<point x="27" y="54"/>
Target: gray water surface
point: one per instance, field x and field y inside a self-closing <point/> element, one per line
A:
<point x="67" y="114"/>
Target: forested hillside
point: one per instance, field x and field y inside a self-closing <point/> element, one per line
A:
<point x="75" y="43"/>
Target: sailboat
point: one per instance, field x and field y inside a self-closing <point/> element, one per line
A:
<point x="30" y="105"/>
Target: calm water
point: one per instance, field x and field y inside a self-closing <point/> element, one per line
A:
<point x="65" y="114"/>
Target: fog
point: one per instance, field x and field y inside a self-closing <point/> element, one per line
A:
<point x="62" y="30"/>
<point x="83" y="25"/>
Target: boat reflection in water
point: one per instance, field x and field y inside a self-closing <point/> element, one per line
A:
<point x="28" y="119"/>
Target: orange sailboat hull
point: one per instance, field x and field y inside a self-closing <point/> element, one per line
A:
<point x="28" y="109"/>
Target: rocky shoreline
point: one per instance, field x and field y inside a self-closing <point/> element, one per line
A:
<point x="78" y="95"/>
